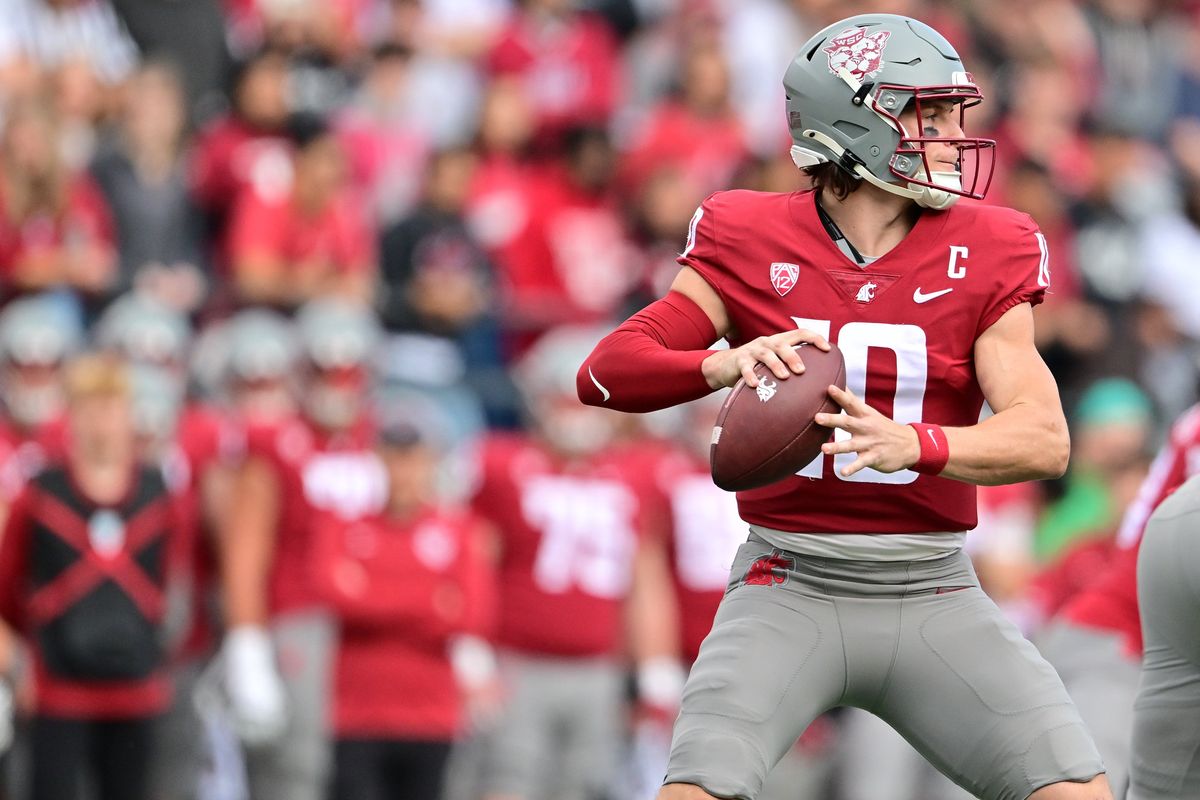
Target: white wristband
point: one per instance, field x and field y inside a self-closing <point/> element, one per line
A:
<point x="660" y="681"/>
<point x="248" y="649"/>
<point x="473" y="661"/>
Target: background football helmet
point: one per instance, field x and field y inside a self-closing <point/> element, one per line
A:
<point x="144" y="331"/>
<point x="36" y="338"/>
<point x="338" y="341"/>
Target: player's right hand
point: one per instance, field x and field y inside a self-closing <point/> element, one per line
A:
<point x="256" y="692"/>
<point x="726" y="367"/>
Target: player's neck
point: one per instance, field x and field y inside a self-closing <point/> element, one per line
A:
<point x="872" y="220"/>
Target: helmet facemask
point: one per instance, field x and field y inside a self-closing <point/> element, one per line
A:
<point x="910" y="162"/>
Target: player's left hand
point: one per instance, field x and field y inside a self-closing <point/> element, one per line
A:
<point x="881" y="443"/>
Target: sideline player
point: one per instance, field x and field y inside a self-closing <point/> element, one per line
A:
<point x="853" y="588"/>
<point x="280" y="636"/>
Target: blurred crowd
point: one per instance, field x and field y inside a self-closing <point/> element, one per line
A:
<point x="330" y="265"/>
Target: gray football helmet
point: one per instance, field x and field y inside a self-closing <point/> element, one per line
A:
<point x="847" y="88"/>
<point x="37" y="335"/>
<point x="545" y="376"/>
<point x="335" y="333"/>
<point x="144" y="331"/>
<point x="261" y="345"/>
<point x="338" y="340"/>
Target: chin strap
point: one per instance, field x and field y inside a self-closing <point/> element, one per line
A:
<point x="924" y="196"/>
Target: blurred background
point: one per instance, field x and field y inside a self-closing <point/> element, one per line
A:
<point x="396" y="226"/>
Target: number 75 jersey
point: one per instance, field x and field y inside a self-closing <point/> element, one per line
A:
<point x="906" y="324"/>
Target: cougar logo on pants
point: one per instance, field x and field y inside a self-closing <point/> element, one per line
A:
<point x="768" y="571"/>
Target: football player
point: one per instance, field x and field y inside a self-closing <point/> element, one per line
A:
<point x="35" y="341"/>
<point x="1165" y="730"/>
<point x="279" y="641"/>
<point x="570" y="522"/>
<point x="853" y="586"/>
<point x="1095" y="642"/>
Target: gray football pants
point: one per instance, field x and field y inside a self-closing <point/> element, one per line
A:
<point x="916" y="643"/>
<point x="1166" y="712"/>
<point x="297" y="767"/>
<point x="560" y="733"/>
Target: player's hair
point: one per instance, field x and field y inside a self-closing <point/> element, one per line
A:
<point x="831" y="176"/>
<point x="96" y="375"/>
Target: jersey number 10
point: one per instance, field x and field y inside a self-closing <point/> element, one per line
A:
<point x="855" y="340"/>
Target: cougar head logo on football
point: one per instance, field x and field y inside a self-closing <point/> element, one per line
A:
<point x="860" y="54"/>
<point x="766" y="389"/>
<point x="867" y="293"/>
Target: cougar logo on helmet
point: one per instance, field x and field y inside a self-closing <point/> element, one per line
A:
<point x="862" y="55"/>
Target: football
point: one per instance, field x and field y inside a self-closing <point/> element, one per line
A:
<point x="764" y="434"/>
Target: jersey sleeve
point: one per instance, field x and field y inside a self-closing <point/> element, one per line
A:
<point x="1022" y="274"/>
<point x="701" y="251"/>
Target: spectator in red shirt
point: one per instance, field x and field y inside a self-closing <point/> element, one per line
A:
<point x="312" y="242"/>
<point x="413" y="588"/>
<point x="247" y="147"/>
<point x="384" y="146"/>
<point x="55" y="228"/>
<point x="567" y="62"/>
<point x="573" y="263"/>
<point x="697" y="132"/>
<point x="498" y="208"/>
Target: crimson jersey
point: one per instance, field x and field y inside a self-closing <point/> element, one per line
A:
<point x="568" y="533"/>
<point x="705" y="532"/>
<point x="1110" y="601"/>
<point x="402" y="589"/>
<point x="906" y="325"/>
<point x="204" y="439"/>
<point x="316" y="472"/>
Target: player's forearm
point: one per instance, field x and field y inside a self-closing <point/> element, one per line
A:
<point x="652" y="361"/>
<point x="1021" y="443"/>
<point x="245" y="577"/>
<point x="247" y="544"/>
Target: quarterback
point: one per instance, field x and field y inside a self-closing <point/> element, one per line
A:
<point x="871" y="601"/>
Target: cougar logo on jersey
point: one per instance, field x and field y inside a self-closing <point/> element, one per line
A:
<point x="766" y="389"/>
<point x="860" y="54"/>
<point x="866" y="293"/>
<point x="766" y="571"/>
<point x="783" y="276"/>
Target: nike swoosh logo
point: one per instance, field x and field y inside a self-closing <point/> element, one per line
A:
<point x="603" y="391"/>
<point x="933" y="438"/>
<point x="921" y="297"/>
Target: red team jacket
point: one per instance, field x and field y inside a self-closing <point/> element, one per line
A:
<point x="317" y="472"/>
<point x="402" y="589"/>
<point x="1110" y="602"/>
<point x="906" y="325"/>
<point x="568" y="534"/>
